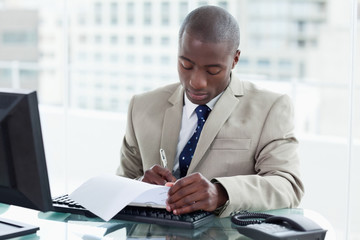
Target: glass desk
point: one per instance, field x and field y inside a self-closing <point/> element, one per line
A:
<point x="63" y="226"/>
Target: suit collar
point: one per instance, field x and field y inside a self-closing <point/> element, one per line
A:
<point x="236" y="86"/>
<point x="171" y="126"/>
<point x="177" y="96"/>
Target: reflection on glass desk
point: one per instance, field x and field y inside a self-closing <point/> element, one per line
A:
<point x="77" y="227"/>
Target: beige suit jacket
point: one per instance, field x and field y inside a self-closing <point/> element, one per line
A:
<point x="247" y="143"/>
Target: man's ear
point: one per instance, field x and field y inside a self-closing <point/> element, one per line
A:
<point x="236" y="58"/>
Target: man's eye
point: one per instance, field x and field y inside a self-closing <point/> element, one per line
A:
<point x="186" y="66"/>
<point x="214" y="71"/>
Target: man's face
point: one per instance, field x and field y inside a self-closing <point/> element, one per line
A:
<point x="204" y="68"/>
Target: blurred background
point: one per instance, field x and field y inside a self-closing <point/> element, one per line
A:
<point x="86" y="58"/>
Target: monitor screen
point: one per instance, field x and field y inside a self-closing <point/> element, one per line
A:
<point x="23" y="172"/>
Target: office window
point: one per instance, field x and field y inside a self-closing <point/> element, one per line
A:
<point x="202" y="3"/>
<point x="130" y="88"/>
<point x="114" y="104"/>
<point x="285" y="64"/>
<point x="130" y="13"/>
<point x="82" y="102"/>
<point x="82" y="38"/>
<point x="114" y="58"/>
<point x="99" y="85"/>
<point x="165" y="41"/>
<point x="301" y="43"/>
<point x="82" y="19"/>
<point x="165" y="13"/>
<point x="283" y="77"/>
<point x="243" y="62"/>
<point x="5" y="74"/>
<point x="301" y="26"/>
<point x="147" y="40"/>
<point x="302" y="68"/>
<point x="183" y="10"/>
<point x="223" y="4"/>
<point x="98" y="13"/>
<point x="147" y="59"/>
<point x="321" y="7"/>
<point x="130" y="58"/>
<point x="98" y="103"/>
<point x="114" y="40"/>
<point x="114" y="14"/>
<point x="263" y="63"/>
<point x="147" y="13"/>
<point x="98" y="39"/>
<point x="82" y="56"/>
<point x="98" y="57"/>
<point x="165" y="60"/>
<point x="19" y="38"/>
<point x="130" y="40"/>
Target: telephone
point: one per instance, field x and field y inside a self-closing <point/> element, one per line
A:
<point x="261" y="226"/>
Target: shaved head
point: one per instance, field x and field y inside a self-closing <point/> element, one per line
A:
<point x="212" y="24"/>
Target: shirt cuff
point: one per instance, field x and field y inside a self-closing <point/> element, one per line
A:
<point x="221" y="209"/>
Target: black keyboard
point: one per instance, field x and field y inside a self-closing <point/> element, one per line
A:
<point x="140" y="214"/>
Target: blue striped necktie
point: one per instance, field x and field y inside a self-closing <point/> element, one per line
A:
<point x="202" y="112"/>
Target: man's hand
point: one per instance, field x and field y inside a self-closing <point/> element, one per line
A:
<point x="158" y="175"/>
<point x="193" y="193"/>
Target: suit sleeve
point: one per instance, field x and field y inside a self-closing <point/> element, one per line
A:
<point x="276" y="183"/>
<point x="130" y="162"/>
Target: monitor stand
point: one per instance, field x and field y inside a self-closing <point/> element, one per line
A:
<point x="11" y="229"/>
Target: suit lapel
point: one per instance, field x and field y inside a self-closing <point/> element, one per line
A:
<point x="218" y="116"/>
<point x="171" y="126"/>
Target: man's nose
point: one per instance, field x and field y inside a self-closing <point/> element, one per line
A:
<point x="198" y="80"/>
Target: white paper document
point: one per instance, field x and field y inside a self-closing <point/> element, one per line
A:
<point x="106" y="195"/>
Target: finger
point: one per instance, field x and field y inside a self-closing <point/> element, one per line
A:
<point x="158" y="175"/>
<point x="192" y="190"/>
<point x="174" y="197"/>
<point x="153" y="178"/>
<point x="181" y="183"/>
<point x="169" y="184"/>
<point x="183" y="187"/>
<point x="164" y="173"/>
<point x="167" y="175"/>
<point x="196" y="206"/>
<point x="186" y="200"/>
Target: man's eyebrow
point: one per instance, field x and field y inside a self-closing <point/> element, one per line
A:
<point x="182" y="57"/>
<point x="209" y="65"/>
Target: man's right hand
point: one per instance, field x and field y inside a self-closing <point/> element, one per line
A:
<point x="158" y="175"/>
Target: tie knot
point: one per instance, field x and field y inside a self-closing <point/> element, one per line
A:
<point x="202" y="112"/>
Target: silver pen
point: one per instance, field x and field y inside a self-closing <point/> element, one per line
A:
<point x="163" y="157"/>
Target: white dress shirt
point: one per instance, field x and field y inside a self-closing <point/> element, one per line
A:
<point x="188" y="126"/>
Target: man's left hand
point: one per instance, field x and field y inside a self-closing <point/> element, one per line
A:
<point x="195" y="192"/>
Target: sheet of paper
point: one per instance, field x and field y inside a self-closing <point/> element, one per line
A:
<point x="106" y="195"/>
<point x="155" y="197"/>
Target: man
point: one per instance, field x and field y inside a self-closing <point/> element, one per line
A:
<point x="244" y="155"/>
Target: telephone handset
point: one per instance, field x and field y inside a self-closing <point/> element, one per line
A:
<point x="260" y="226"/>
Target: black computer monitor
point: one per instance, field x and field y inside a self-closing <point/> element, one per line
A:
<point x="23" y="172"/>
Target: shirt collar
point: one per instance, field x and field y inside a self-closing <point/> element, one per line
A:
<point x="190" y="107"/>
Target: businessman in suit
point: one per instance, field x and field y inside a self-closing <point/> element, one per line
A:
<point x="244" y="156"/>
